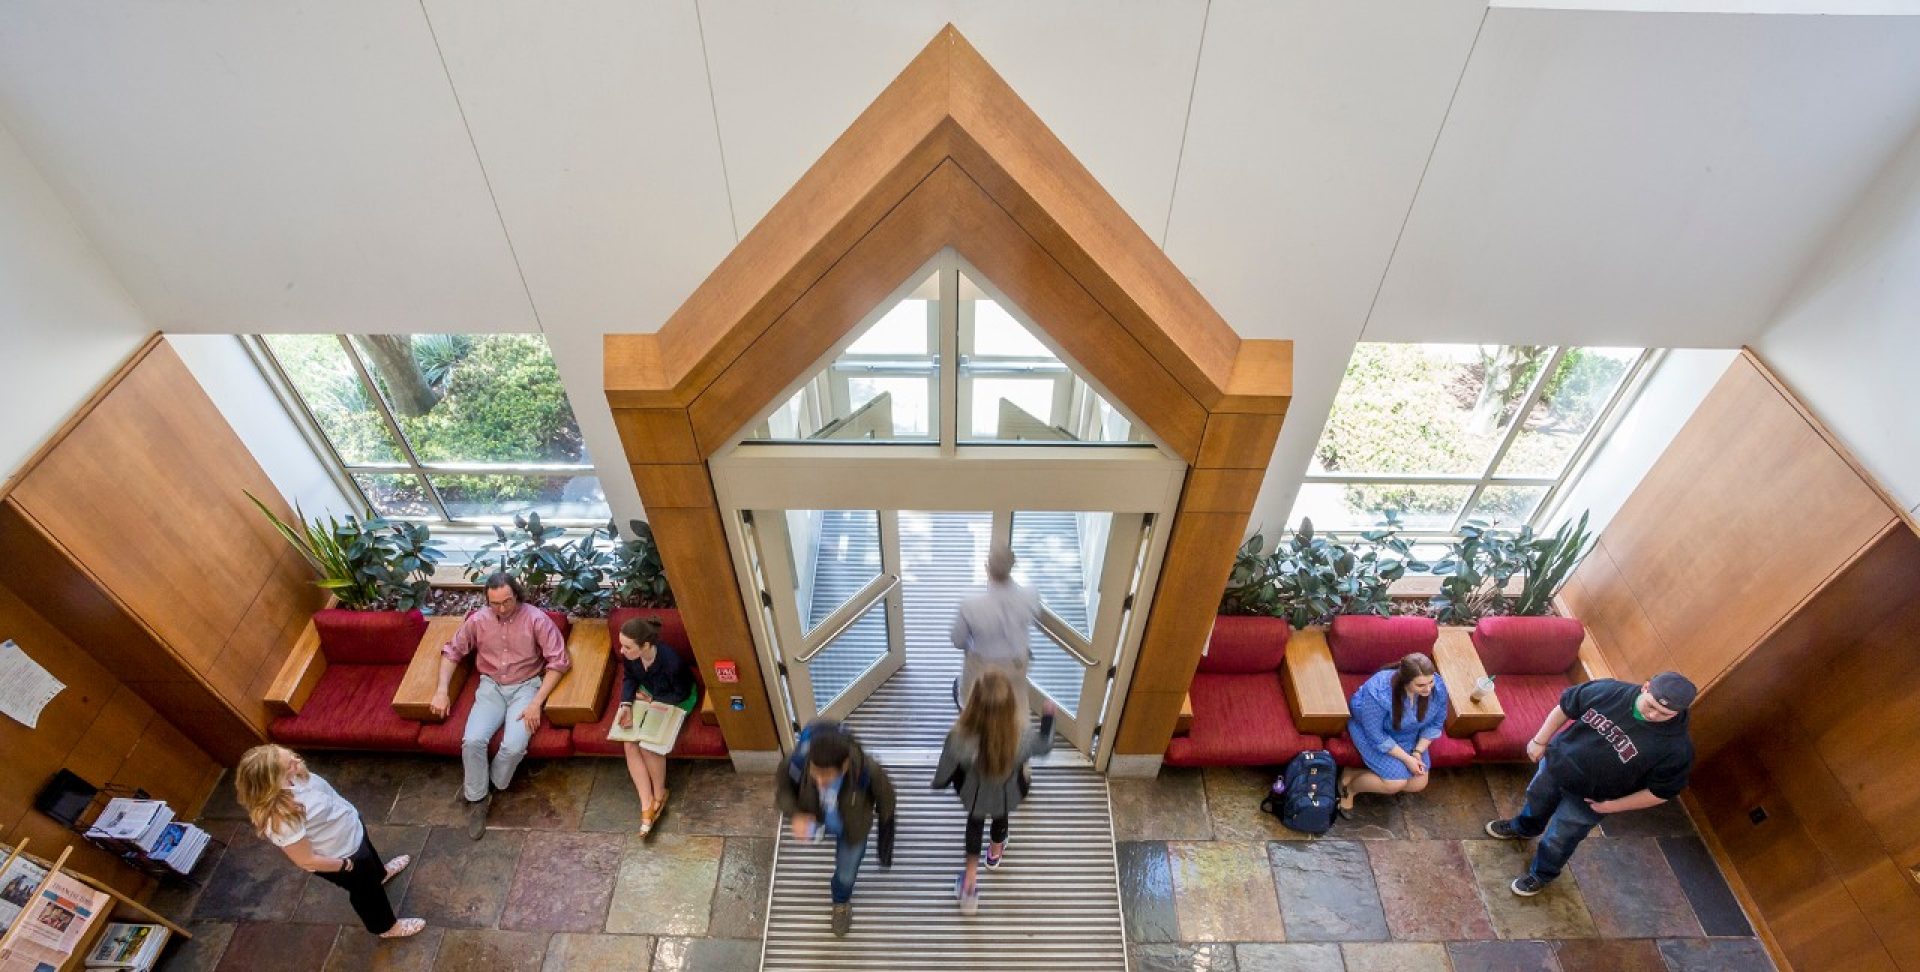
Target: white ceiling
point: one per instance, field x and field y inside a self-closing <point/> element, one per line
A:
<point x="1323" y="169"/>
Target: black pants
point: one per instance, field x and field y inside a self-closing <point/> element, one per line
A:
<point x="365" y="887"/>
<point x="976" y="824"/>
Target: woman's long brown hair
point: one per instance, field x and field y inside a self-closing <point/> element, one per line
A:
<point x="993" y="718"/>
<point x="1411" y="667"/>
<point x="260" y="781"/>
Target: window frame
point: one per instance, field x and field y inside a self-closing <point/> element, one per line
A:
<point x="343" y="472"/>
<point x="1556" y="487"/>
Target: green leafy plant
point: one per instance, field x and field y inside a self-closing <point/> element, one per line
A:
<point x="1311" y="577"/>
<point x="580" y="581"/>
<point x="1484" y="562"/>
<point x="635" y="570"/>
<point x="370" y="565"/>
<point x="529" y="551"/>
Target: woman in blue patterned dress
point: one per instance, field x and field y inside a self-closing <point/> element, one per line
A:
<point x="1396" y="715"/>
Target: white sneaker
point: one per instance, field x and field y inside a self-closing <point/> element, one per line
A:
<point x="969" y="903"/>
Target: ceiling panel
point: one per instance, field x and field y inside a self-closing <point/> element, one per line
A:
<point x="1644" y="179"/>
<point x="1111" y="79"/>
<point x="595" y="125"/>
<point x="262" y="166"/>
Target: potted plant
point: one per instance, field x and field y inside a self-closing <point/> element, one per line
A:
<point x="379" y="573"/>
<point x="1482" y="566"/>
<point x="1310" y="577"/>
<point x="638" y="580"/>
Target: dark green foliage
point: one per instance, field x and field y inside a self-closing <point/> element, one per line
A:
<point x="371" y="564"/>
<point x="1309" y="578"/>
<point x="635" y="571"/>
<point x="1484" y="561"/>
<point x="529" y="551"/>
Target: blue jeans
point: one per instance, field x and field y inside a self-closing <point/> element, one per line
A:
<point x="846" y="866"/>
<point x="1558" y="816"/>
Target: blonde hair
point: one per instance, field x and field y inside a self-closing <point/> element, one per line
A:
<point x="993" y="718"/>
<point x="260" y="782"/>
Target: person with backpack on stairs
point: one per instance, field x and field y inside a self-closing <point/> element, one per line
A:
<point x="985" y="761"/>
<point x="831" y="787"/>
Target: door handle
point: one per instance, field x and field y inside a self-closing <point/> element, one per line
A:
<point x="845" y="615"/>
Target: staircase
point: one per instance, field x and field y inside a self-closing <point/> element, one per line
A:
<point x="1054" y="904"/>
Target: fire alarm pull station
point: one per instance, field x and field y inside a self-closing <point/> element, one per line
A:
<point x="726" y="671"/>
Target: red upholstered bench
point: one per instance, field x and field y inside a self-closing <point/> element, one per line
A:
<point x="1363" y="644"/>
<point x="1531" y="660"/>
<point x="443" y="738"/>
<point x="351" y="706"/>
<point x="1240" y="714"/>
<point x="698" y="739"/>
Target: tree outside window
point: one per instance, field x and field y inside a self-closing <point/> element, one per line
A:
<point x="1440" y="434"/>
<point x="455" y="428"/>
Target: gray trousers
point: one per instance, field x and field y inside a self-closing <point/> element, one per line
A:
<point x="495" y="705"/>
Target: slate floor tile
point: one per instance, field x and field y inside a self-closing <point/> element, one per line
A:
<point x="1454" y="806"/>
<point x="324" y="903"/>
<point x="1715" y="955"/>
<point x="1609" y="955"/>
<point x="705" y="955"/>
<point x="564" y="882"/>
<point x="1326" y="891"/>
<point x="714" y="800"/>
<point x="176" y="900"/>
<point x="356" y="951"/>
<point x="1224" y="892"/>
<point x="430" y="795"/>
<point x="545" y="795"/>
<point x="1146" y="891"/>
<point x="253" y="881"/>
<point x="613" y="805"/>
<point x="468" y="949"/>
<point x="740" y="898"/>
<point x="284" y="948"/>
<point x="1718" y="911"/>
<point x="463" y="883"/>
<point x="1668" y="819"/>
<point x="599" y="953"/>
<point x="665" y="885"/>
<point x="223" y="803"/>
<point x="1395" y="957"/>
<point x="1558" y="912"/>
<point x="1501" y="957"/>
<point x="1233" y="796"/>
<point x="1183" y="958"/>
<point x="1423" y="889"/>
<point x="1507" y="785"/>
<point x="371" y="785"/>
<point x="1171" y="806"/>
<point x="202" y="952"/>
<point x="1288" y="958"/>
<point x="1631" y="890"/>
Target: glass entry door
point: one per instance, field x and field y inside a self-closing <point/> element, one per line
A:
<point x="832" y="596"/>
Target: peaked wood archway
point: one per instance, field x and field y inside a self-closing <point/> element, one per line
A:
<point x="949" y="155"/>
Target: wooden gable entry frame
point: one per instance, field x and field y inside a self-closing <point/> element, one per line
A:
<point x="949" y="156"/>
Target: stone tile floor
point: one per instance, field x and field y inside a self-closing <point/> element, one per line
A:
<point x="559" y="881"/>
<point x="1212" y="884"/>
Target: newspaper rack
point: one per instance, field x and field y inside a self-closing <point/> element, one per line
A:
<point x="77" y="959"/>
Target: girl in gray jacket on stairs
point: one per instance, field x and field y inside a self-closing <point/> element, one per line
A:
<point x="985" y="760"/>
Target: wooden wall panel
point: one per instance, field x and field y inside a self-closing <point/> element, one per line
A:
<point x="694" y="551"/>
<point x="98" y="728"/>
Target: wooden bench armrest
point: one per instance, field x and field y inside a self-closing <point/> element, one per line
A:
<point x="1460" y="667"/>
<point x="1312" y="684"/>
<point x="1591" y="664"/>
<point x="298" y="674"/>
<point x="1184" y="723"/>
<point x="583" y="688"/>
<point x="414" y="699"/>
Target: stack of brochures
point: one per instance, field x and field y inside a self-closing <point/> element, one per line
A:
<point x="133" y="826"/>
<point x="128" y="946"/>
<point x="179" y="847"/>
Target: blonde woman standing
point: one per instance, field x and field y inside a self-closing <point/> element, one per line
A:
<point x="320" y="832"/>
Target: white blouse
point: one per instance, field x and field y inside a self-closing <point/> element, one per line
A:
<point x="332" y="824"/>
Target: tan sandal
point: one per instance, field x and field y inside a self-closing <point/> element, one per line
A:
<point x="405" y="928"/>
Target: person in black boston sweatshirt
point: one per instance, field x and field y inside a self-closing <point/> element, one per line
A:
<point x="1626" y="749"/>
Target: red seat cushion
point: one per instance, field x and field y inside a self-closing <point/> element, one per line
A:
<point x="1239" y="720"/>
<point x="1367" y="643"/>
<point x="1243" y="645"/>
<point x="368" y="637"/>
<point x="1525" y="699"/>
<point x="672" y="633"/>
<point x="1446" y="751"/>
<point x="1528" y="646"/>
<point x="444" y="738"/>
<point x="560" y="620"/>
<point x="351" y="708"/>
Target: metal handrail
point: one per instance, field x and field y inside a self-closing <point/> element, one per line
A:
<point x="845" y="615"/>
<point x="1063" y="634"/>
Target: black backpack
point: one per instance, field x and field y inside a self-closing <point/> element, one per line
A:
<point x="1304" y="795"/>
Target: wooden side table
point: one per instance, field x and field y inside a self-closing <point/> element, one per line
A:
<point x="1312" y="684"/>
<point x="414" y="699"/>
<point x="1459" y="665"/>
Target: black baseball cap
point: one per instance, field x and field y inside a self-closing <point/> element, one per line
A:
<point x="1672" y="690"/>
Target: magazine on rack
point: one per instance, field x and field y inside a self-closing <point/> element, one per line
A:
<point x="130" y="824"/>
<point x="128" y="946"/>
<point x="52" y="925"/>
<point x="16" y="886"/>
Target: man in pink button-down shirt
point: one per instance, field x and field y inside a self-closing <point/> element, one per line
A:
<point x="520" y="656"/>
